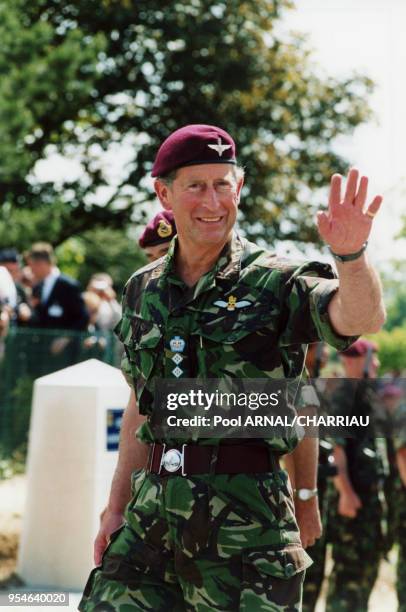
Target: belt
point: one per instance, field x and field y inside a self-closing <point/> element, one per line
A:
<point x="194" y="459"/>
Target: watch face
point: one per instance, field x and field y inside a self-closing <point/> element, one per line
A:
<point x="306" y="494"/>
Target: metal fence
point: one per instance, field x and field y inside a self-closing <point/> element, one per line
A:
<point x="30" y="353"/>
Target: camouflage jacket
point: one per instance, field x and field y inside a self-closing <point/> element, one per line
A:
<point x="367" y="458"/>
<point x="251" y="316"/>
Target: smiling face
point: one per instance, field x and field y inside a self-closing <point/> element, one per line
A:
<point x="204" y="200"/>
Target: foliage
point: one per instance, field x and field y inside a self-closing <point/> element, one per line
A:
<point x="392" y="350"/>
<point x="396" y="315"/>
<point x="11" y="466"/>
<point x="395" y="294"/>
<point x="101" y="250"/>
<point x="87" y="77"/>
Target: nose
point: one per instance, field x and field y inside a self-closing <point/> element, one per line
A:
<point x="211" y="199"/>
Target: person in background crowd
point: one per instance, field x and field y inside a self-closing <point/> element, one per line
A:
<point x="109" y="310"/>
<point x="157" y="235"/>
<point x="11" y="259"/>
<point x="95" y="343"/>
<point x="7" y="291"/>
<point x="7" y="263"/>
<point x="59" y="301"/>
<point x="393" y="401"/>
<point x="358" y="523"/>
<point x="316" y="360"/>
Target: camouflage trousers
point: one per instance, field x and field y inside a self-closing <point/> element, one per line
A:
<point x="203" y="543"/>
<point x="357" y="549"/>
<point x="315" y="573"/>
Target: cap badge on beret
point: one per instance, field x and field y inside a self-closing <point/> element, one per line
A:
<point x="164" y="229"/>
<point x="220" y="148"/>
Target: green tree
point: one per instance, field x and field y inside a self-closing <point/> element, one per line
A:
<point x="101" y="250"/>
<point x="395" y="294"/>
<point x="392" y="349"/>
<point x="84" y="76"/>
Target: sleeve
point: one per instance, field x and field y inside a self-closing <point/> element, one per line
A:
<point x="123" y="332"/>
<point x="308" y="291"/>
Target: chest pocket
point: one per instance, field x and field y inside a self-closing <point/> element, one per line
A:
<point x="143" y="349"/>
<point x="241" y="342"/>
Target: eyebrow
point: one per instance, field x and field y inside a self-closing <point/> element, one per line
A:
<point x="201" y="180"/>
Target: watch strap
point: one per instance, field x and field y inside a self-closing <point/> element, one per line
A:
<point x="350" y="256"/>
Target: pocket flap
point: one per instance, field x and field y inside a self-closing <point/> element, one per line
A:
<point x="230" y="328"/>
<point x="145" y="333"/>
<point x="281" y="563"/>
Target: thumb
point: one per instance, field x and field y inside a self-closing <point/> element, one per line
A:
<point x="99" y="548"/>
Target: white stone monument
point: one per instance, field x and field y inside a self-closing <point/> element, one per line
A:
<point x="75" y="419"/>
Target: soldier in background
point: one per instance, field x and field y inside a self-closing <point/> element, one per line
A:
<point x="394" y="402"/>
<point x="357" y="524"/>
<point x="401" y="523"/>
<point x="157" y="235"/>
<point x="316" y="360"/>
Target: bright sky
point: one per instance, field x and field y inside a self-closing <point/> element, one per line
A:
<point x="368" y="36"/>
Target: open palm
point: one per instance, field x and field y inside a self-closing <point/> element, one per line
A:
<point x="347" y="224"/>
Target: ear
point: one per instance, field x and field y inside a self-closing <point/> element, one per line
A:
<point x="163" y="193"/>
<point x="239" y="187"/>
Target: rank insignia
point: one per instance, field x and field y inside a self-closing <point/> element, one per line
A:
<point x="164" y="229"/>
<point x="177" y="358"/>
<point x="177" y="344"/>
<point x="232" y="303"/>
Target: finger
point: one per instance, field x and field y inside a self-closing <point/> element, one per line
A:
<point x="334" y="199"/>
<point x="361" y="196"/>
<point x="323" y="224"/>
<point x="351" y="189"/>
<point x="374" y="206"/>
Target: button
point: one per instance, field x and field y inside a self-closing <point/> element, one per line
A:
<point x="289" y="569"/>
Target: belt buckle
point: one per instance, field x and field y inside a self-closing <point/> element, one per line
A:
<point x="173" y="460"/>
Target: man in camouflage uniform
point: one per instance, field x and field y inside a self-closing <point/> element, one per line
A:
<point x="358" y="519"/>
<point x="316" y="360"/>
<point x="401" y="523"/>
<point x="223" y="536"/>
<point x="394" y="395"/>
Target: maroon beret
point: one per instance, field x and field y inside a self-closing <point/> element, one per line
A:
<point x="193" y="145"/>
<point x="391" y="391"/>
<point x="160" y="229"/>
<point x="360" y="348"/>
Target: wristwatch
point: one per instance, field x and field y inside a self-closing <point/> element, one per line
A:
<point x="305" y="494"/>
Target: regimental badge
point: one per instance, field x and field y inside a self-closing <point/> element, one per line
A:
<point x="232" y="303"/>
<point x="219" y="148"/>
<point x="164" y="229"/>
<point x="177" y="344"/>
